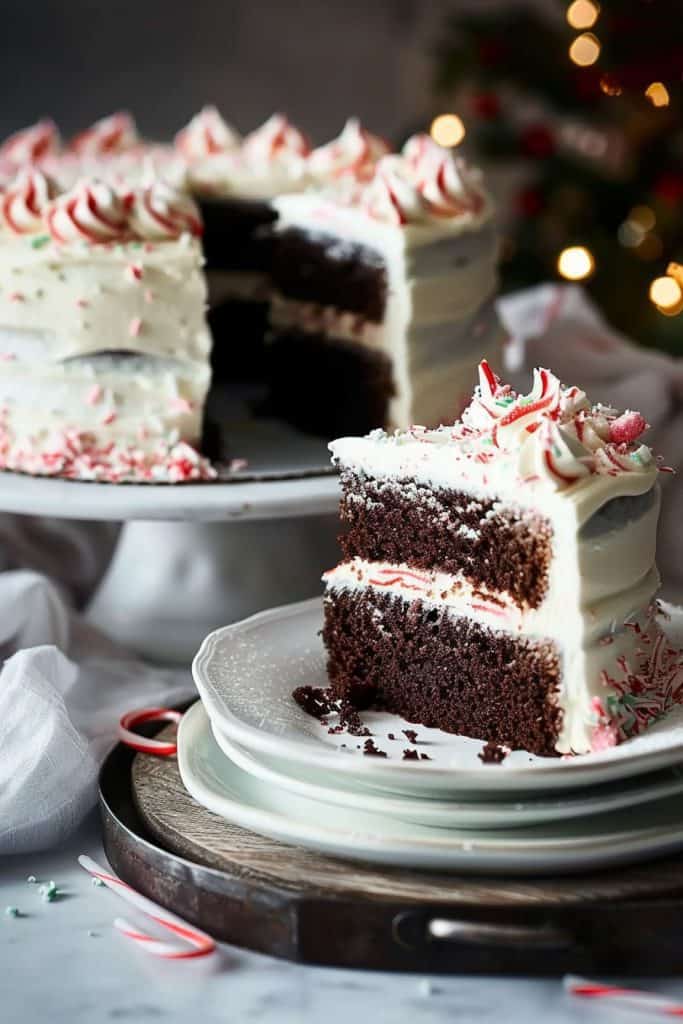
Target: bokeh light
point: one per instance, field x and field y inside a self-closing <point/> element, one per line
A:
<point x="448" y="130"/>
<point x="585" y="49"/>
<point x="575" y="263"/>
<point x="667" y="295"/>
<point x="582" y="14"/>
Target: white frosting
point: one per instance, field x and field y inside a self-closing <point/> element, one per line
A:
<point x="30" y="145"/>
<point x="353" y="154"/>
<point x="86" y="298"/>
<point x="271" y="160"/>
<point x="551" y="453"/>
<point x="113" y="134"/>
<point x="70" y="403"/>
<point x="206" y="135"/>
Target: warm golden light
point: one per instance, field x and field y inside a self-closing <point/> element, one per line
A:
<point x="575" y="263"/>
<point x="585" y="49"/>
<point x="667" y="295"/>
<point x="643" y="216"/>
<point x="582" y="14"/>
<point x="658" y="94"/>
<point x="448" y="130"/>
<point x="610" y="85"/>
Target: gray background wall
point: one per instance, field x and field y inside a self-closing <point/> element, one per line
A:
<point x="318" y="60"/>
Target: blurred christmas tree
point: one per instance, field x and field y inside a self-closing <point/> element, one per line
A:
<point x="581" y="111"/>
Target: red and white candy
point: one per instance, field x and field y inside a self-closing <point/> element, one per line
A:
<point x="189" y="942"/>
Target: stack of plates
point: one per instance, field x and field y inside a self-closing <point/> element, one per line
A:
<point x="250" y="754"/>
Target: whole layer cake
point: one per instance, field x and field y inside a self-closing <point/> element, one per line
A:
<point x="499" y="574"/>
<point x="104" y="347"/>
<point x="383" y="289"/>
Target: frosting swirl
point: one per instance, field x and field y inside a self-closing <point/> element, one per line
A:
<point x="354" y="152"/>
<point x="160" y="212"/>
<point x="558" y="437"/>
<point x="114" y="134"/>
<point x="392" y="195"/>
<point x="91" y="212"/>
<point x="276" y="140"/>
<point x="23" y="204"/>
<point x="206" y="135"/>
<point x="424" y="184"/>
<point x="30" y="145"/>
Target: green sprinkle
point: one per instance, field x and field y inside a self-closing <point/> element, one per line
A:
<point x="93" y="935"/>
<point x="487" y="440"/>
<point x="12" y="912"/>
<point x="98" y="882"/>
<point x="39" y="241"/>
<point x="49" y="892"/>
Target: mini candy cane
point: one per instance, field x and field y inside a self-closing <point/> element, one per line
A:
<point x="142" y="743"/>
<point x="202" y="943"/>
<point x="629" y="998"/>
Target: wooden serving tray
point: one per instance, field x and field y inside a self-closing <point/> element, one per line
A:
<point x="266" y="896"/>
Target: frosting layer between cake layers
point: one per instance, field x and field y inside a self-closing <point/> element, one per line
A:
<point x="544" y="535"/>
<point x="104" y="347"/>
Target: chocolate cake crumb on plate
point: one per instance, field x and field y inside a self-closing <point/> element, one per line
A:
<point x="492" y="753"/>
<point x="370" y="750"/>
<point x="410" y="735"/>
<point x="410" y="755"/>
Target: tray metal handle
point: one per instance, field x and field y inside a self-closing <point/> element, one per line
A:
<point x="418" y="930"/>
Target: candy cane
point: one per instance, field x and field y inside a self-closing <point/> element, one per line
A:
<point x="202" y="943"/>
<point x="142" y="743"/>
<point x="626" y="997"/>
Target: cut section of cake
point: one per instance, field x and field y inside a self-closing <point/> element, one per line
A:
<point x="383" y="291"/>
<point x="104" y="347"/>
<point x="234" y="181"/>
<point x="499" y="577"/>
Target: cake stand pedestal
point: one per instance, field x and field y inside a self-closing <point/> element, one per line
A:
<point x="193" y="557"/>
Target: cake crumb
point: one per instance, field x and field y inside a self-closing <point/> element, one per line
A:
<point x="390" y="736"/>
<point x="492" y="753"/>
<point x="410" y="735"/>
<point x="370" y="750"/>
<point x="425" y="757"/>
<point x="313" y="700"/>
<point x="409" y="754"/>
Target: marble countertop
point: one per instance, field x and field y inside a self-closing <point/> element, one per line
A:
<point x="62" y="962"/>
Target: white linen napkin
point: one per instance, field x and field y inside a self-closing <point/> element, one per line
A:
<point x="63" y="688"/>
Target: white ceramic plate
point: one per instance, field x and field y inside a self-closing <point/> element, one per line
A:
<point x="246" y="672"/>
<point x="570" y="847"/>
<point x="336" y="788"/>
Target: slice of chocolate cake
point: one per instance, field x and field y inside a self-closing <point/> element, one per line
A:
<point x="498" y="577"/>
<point x="383" y="289"/>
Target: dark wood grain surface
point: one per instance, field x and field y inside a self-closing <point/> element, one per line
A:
<point x="264" y="895"/>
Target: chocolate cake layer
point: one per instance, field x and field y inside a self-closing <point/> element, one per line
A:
<point x="238" y="329"/>
<point x="314" y="267"/>
<point x="327" y="386"/>
<point x="441" y="671"/>
<point x="409" y="522"/>
<point x="237" y="234"/>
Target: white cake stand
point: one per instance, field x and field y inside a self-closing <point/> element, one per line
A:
<point x="192" y="557"/>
